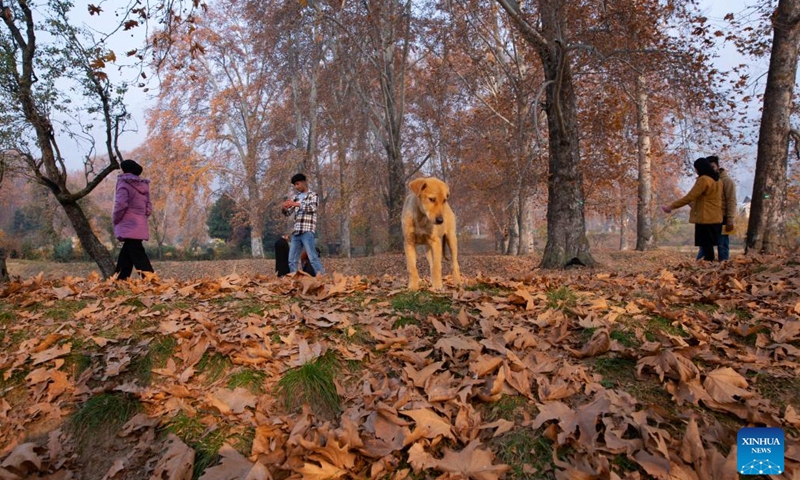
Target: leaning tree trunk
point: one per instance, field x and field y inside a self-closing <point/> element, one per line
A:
<point x="768" y="207"/>
<point x="88" y="239"/>
<point x="644" y="196"/>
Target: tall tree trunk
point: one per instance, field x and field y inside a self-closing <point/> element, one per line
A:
<point x="88" y="239"/>
<point x="623" y="220"/>
<point x="566" y="225"/>
<point x="526" y="225"/>
<point x="768" y="207"/>
<point x="513" y="229"/>
<point x="644" y="195"/>
<point x="396" y="196"/>
<point x="344" y="198"/>
<point x="255" y="217"/>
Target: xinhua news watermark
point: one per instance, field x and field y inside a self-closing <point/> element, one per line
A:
<point x="760" y="451"/>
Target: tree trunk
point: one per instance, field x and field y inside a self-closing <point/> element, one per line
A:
<point x="255" y="218"/>
<point x="396" y="196"/>
<point x="644" y="196"/>
<point x="768" y="207"/>
<point x="526" y="225"/>
<point x="566" y="225"/>
<point x="344" y="197"/>
<point x="3" y="270"/>
<point x="513" y="229"/>
<point x="623" y="221"/>
<point x="88" y="239"/>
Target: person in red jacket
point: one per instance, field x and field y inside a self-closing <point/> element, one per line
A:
<point x="131" y="209"/>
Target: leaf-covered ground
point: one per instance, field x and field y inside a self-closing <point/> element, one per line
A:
<point x="638" y="369"/>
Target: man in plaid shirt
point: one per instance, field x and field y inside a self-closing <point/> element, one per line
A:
<point x="304" y="206"/>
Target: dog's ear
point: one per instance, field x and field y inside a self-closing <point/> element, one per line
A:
<point x="417" y="185"/>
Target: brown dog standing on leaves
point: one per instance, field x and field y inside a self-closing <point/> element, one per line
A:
<point x="428" y="220"/>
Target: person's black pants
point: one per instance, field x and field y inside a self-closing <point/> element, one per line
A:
<point x="132" y="255"/>
<point x="281" y="256"/>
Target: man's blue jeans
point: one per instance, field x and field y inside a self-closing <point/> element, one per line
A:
<point x="300" y="242"/>
<point x="723" y="249"/>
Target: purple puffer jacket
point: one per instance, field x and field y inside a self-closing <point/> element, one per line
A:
<point x="131" y="208"/>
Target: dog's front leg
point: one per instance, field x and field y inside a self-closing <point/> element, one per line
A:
<point x="435" y="260"/>
<point x="452" y="243"/>
<point x="411" y="264"/>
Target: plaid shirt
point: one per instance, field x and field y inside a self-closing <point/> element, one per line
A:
<point x="305" y="216"/>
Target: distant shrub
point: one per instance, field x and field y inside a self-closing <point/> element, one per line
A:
<point x="63" y="252"/>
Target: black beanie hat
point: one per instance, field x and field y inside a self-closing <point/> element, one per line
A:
<point x="129" y="166"/>
<point x="298" y="177"/>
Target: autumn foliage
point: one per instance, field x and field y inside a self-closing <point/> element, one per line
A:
<point x="604" y="374"/>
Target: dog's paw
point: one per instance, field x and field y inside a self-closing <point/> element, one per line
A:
<point x="414" y="286"/>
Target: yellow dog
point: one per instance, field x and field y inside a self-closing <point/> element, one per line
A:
<point x="428" y="220"/>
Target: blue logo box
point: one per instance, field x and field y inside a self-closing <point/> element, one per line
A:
<point x="759" y="451"/>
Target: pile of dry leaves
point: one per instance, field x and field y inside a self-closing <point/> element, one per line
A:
<point x="641" y="375"/>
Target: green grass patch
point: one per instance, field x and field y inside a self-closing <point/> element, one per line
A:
<point x="156" y="357"/>
<point x="488" y="289"/>
<point x="404" y="321"/>
<point x="779" y="390"/>
<point x="659" y="325"/>
<point x="206" y="442"/>
<point x="312" y="384"/>
<point x="134" y="302"/>
<point x="355" y="334"/>
<point x="355" y="300"/>
<point x="625" y="338"/>
<point x="617" y="372"/>
<point x="7" y="315"/>
<point x="561" y="298"/>
<point x="509" y="407"/>
<point x="621" y="463"/>
<point x="63" y="310"/>
<point x="102" y="414"/>
<point x="243" y="442"/>
<point x="706" y="307"/>
<point x="76" y="363"/>
<point x="586" y="334"/>
<point x="523" y="449"/>
<point x="422" y="303"/>
<point x="213" y="366"/>
<point x="251" y="379"/>
<point x="742" y="314"/>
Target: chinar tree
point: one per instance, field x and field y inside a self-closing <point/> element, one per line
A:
<point x="53" y="89"/>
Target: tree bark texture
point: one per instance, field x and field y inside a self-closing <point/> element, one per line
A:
<point x="566" y="225"/>
<point x="768" y="207"/>
<point x="644" y="195"/>
<point x="526" y="225"/>
<point x="89" y="241"/>
<point x="3" y="269"/>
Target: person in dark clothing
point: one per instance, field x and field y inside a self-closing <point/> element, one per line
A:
<point x="132" y="207"/>
<point x="282" y="259"/>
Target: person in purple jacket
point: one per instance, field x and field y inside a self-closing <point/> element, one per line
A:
<point x="131" y="209"/>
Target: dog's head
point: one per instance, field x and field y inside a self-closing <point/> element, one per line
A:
<point x="432" y="194"/>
